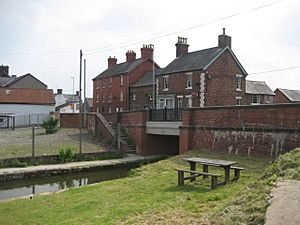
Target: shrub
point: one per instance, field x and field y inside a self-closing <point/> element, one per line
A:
<point x="17" y="163"/>
<point x="66" y="154"/>
<point x="50" y="125"/>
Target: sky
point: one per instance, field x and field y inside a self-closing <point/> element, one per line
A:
<point x="44" y="37"/>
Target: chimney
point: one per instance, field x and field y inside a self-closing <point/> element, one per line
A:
<point x="224" y="40"/>
<point x="4" y="71"/>
<point x="130" y="56"/>
<point x="147" y="51"/>
<point x="59" y="91"/>
<point x="77" y="93"/>
<point x="111" y="61"/>
<point x="181" y="46"/>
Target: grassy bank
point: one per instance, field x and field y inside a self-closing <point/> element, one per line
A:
<point x="151" y="196"/>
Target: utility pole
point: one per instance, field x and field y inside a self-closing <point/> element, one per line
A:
<point x="80" y="105"/>
<point x="84" y="95"/>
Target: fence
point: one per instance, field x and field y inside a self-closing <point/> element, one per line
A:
<point x="30" y="119"/>
<point x="166" y="115"/>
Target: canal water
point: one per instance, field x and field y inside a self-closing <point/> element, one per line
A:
<point x="20" y="188"/>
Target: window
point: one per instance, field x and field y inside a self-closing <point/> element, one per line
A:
<point x="121" y="80"/>
<point x="238" y="82"/>
<point x="98" y="84"/>
<point x="238" y="100"/>
<point x="189" y="78"/>
<point x="161" y="103"/>
<point x="97" y="99"/>
<point x="179" y="102"/>
<point x="255" y="99"/>
<point x="109" y="98"/>
<point x="121" y="96"/>
<point x="103" y="98"/>
<point x="189" y="103"/>
<point x="103" y="83"/>
<point x="109" y="110"/>
<point x="133" y="97"/>
<point x="169" y="103"/>
<point x="165" y="83"/>
<point x="109" y="81"/>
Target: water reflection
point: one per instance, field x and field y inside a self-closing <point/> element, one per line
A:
<point x="19" y="188"/>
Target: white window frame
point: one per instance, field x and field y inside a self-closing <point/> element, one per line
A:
<point x="180" y="102"/>
<point x="110" y="81"/>
<point x="103" y="98"/>
<point x="121" y="96"/>
<point x="238" y="100"/>
<point x="238" y="82"/>
<point x="121" y="80"/>
<point x="189" y="80"/>
<point x="257" y="102"/>
<point x="134" y="97"/>
<point x="165" y="83"/>
<point x="189" y="102"/>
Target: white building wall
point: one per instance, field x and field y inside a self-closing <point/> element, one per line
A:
<point x="26" y="114"/>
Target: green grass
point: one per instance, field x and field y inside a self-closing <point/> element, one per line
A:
<point x="150" y="195"/>
<point x="18" y="143"/>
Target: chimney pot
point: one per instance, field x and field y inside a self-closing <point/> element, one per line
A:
<point x="147" y="51"/>
<point x="111" y="61"/>
<point x="224" y="40"/>
<point x="181" y="46"/>
<point x="130" y="56"/>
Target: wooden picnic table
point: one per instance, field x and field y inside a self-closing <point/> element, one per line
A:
<point x="211" y="162"/>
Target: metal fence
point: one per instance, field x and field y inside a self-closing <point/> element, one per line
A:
<point x="166" y="115"/>
<point x="30" y="119"/>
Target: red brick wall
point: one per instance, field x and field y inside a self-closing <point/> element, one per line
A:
<point x="142" y="97"/>
<point x="280" y="98"/>
<point x="253" y="130"/>
<point x="69" y="120"/>
<point x="220" y="88"/>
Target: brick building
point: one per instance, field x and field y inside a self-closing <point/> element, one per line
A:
<point x="111" y="87"/>
<point x="287" y="96"/>
<point x="209" y="77"/>
<point x="258" y="92"/>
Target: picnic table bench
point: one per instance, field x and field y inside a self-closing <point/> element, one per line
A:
<point x="206" y="162"/>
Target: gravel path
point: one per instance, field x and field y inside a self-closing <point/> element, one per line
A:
<point x="285" y="204"/>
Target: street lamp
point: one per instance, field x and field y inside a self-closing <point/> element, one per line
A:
<point x="73" y="94"/>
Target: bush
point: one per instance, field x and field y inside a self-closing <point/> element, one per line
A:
<point x="50" y="125"/>
<point x="66" y="154"/>
<point x="17" y="163"/>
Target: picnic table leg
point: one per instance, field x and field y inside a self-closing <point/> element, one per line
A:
<point x="205" y="170"/>
<point x="192" y="167"/>
<point x="180" y="178"/>
<point x="227" y="174"/>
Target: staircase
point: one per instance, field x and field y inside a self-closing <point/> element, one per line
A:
<point x="127" y="142"/>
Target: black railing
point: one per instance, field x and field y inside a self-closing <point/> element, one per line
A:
<point x="165" y="115"/>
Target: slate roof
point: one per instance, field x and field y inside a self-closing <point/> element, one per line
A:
<point x="258" y="88"/>
<point x="120" y="68"/>
<point x="292" y="95"/>
<point x="146" y="79"/>
<point x="15" y="80"/>
<point x="26" y="96"/>
<point x="197" y="60"/>
<point x="4" y="80"/>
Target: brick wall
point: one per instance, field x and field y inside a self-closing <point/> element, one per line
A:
<point x="280" y="98"/>
<point x="69" y="120"/>
<point x="264" y="130"/>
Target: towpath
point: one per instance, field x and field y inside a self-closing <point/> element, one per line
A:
<point x="43" y="170"/>
<point x="285" y="204"/>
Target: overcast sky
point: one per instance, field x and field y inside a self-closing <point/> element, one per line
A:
<point x="43" y="37"/>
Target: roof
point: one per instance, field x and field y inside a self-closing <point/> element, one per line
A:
<point x="146" y="79"/>
<point x="258" y="88"/>
<point x="4" y="80"/>
<point x="120" y="68"/>
<point x="15" y="80"/>
<point x="26" y="96"/>
<point x="292" y="95"/>
<point x="197" y="60"/>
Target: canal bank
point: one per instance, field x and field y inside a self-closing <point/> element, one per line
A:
<point x="131" y="161"/>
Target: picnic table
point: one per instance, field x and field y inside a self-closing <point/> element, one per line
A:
<point x="206" y="162"/>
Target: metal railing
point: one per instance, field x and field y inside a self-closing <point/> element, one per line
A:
<point x="165" y="115"/>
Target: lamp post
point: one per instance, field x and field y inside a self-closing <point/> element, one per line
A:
<point x="73" y="93"/>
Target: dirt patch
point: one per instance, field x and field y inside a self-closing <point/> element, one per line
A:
<point x="18" y="143"/>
